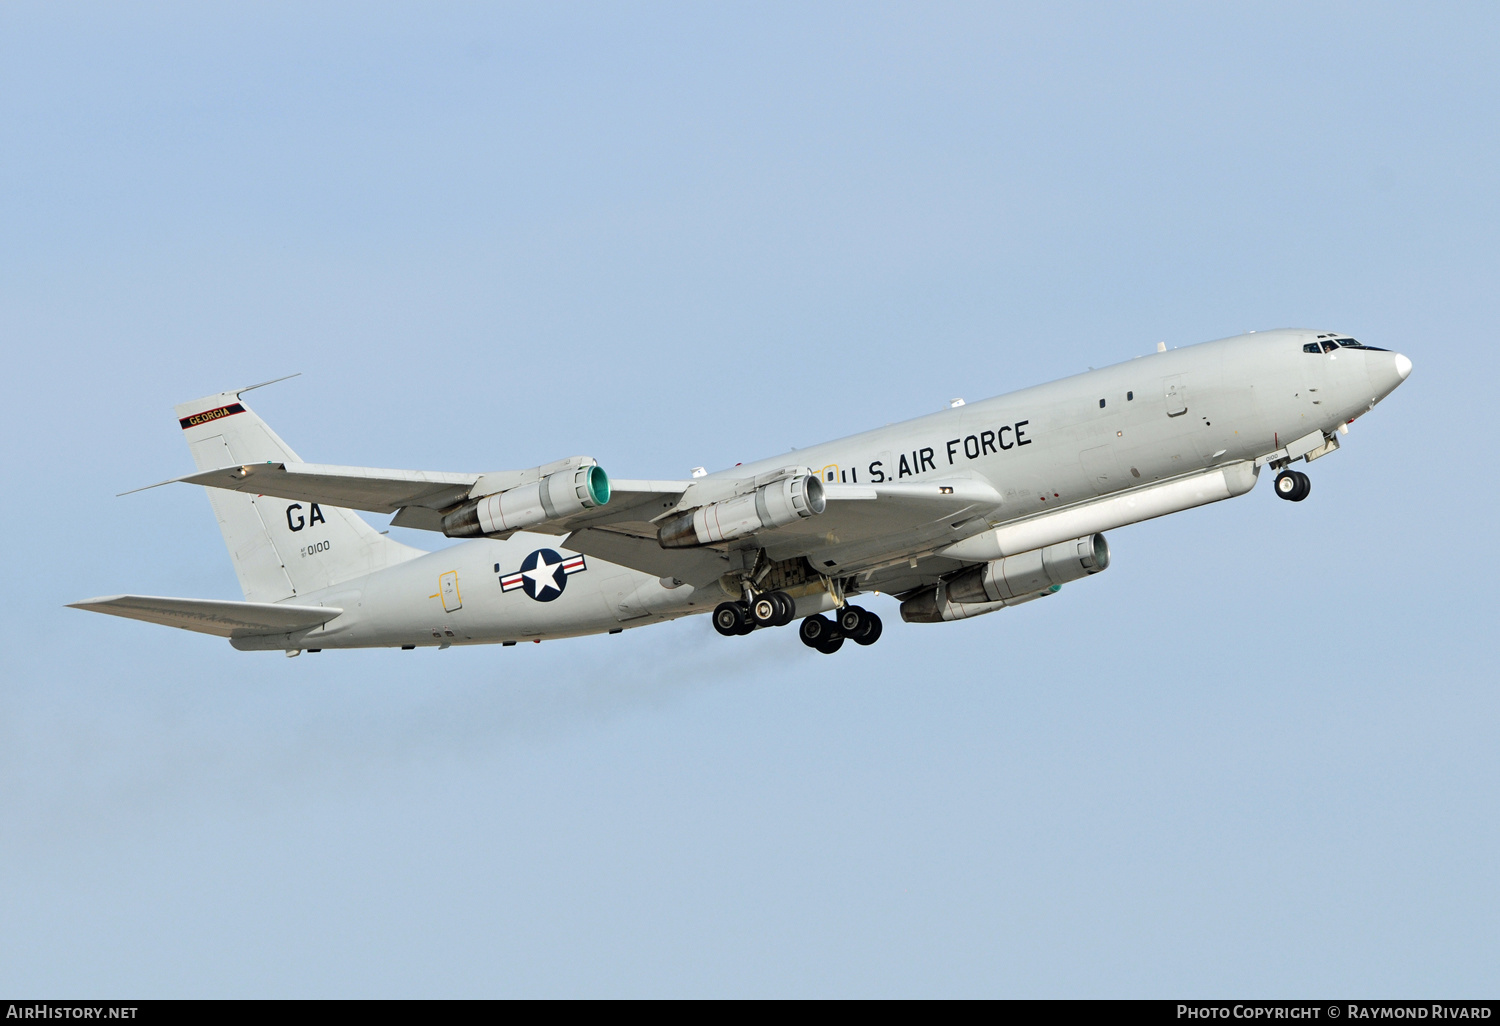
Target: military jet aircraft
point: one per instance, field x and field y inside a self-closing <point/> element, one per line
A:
<point x="980" y="506"/>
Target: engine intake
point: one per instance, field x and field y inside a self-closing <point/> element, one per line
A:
<point x="772" y="505"/>
<point x="554" y="496"/>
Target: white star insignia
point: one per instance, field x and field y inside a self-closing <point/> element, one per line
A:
<point x="543" y="575"/>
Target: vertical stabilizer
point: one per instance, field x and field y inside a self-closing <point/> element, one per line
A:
<point x="280" y="548"/>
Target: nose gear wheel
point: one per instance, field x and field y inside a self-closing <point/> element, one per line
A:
<point x="1293" y="485"/>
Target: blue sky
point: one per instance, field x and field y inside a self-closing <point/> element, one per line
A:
<point x="1257" y="757"/>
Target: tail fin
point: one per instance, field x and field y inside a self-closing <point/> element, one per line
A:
<point x="280" y="549"/>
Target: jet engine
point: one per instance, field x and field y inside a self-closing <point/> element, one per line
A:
<point x="1027" y="573"/>
<point x="934" y="605"/>
<point x="556" y="495"/>
<point x="773" y="505"/>
<point x="1009" y="581"/>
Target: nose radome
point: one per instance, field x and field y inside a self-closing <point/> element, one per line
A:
<point x="1403" y="366"/>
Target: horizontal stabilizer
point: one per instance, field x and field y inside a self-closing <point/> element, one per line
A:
<point x="212" y="616"/>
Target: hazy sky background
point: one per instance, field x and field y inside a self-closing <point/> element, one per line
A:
<point x="1257" y="757"/>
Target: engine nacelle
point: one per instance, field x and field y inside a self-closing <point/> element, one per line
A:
<point x="773" y="505"/>
<point x="935" y="606"/>
<point x="1009" y="581"/>
<point x="556" y="495"/>
<point x="1027" y="573"/>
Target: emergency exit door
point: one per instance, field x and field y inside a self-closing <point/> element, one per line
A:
<point x="1176" y="397"/>
<point x="449" y="590"/>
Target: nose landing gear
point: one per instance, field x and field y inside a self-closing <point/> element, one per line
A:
<point x="1293" y="485"/>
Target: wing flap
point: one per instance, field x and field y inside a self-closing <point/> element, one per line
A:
<point x="212" y="616"/>
<point x="898" y="517"/>
<point x="635" y="546"/>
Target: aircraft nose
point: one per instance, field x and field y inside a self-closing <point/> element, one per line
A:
<point x="1387" y="371"/>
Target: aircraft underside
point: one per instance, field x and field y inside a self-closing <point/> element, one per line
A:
<point x="967" y="511"/>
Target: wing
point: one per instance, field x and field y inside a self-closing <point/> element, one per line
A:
<point x="420" y="497"/>
<point x="367" y="488"/>
<point x="861" y="527"/>
<point x="635" y="546"/>
<point x="630" y="502"/>
<point x="212" y="616"/>
<point x="866" y="526"/>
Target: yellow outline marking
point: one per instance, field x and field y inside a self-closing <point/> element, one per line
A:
<point x="456" y="593"/>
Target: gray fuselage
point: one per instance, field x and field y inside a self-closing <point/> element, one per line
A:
<point x="1045" y="448"/>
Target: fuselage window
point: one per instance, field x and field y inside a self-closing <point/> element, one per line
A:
<point x="1101" y="404"/>
<point x="1129" y="396"/>
<point x="1311" y="347"/>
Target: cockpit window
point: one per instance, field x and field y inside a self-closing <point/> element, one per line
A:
<point x="1350" y="343"/>
<point x="1329" y="347"/>
<point x="1311" y="347"/>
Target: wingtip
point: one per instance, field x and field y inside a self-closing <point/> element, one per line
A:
<point x="89" y="604"/>
<point x="263" y="384"/>
<point x="147" y="488"/>
<point x="201" y="476"/>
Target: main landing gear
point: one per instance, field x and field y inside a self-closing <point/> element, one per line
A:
<point x="1293" y="485"/>
<point x="827" y="636"/>
<point x="773" y="609"/>
<point x="777" y="609"/>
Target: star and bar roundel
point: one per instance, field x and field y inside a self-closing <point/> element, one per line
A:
<point x="543" y="574"/>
